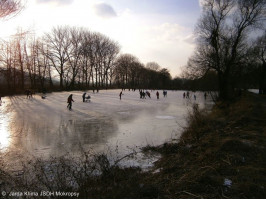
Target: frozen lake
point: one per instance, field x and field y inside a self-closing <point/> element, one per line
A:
<point x="45" y="127"/>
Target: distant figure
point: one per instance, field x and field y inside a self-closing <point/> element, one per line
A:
<point x="184" y="95"/>
<point x="187" y="96"/>
<point x="143" y="95"/>
<point x="195" y="97"/>
<point x="0" y="100"/>
<point x="205" y="95"/>
<point x="165" y="93"/>
<point x="84" y="96"/>
<point x="69" y="101"/>
<point x="120" y="95"/>
<point x="97" y="90"/>
<point x="148" y="94"/>
<point x="29" y="94"/>
<point x="93" y="90"/>
<point x="157" y="94"/>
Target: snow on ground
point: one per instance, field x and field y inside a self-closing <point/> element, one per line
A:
<point x="45" y="127"/>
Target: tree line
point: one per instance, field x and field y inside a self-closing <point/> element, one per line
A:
<point x="73" y="58"/>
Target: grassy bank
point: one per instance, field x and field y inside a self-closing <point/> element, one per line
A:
<point x="221" y="154"/>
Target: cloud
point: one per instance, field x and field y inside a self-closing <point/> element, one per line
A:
<point x="104" y="10"/>
<point x="57" y="2"/>
<point x="190" y="39"/>
<point x="168" y="44"/>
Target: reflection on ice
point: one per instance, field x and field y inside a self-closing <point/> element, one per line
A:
<point x="47" y="128"/>
<point x="4" y="131"/>
<point x="4" y="135"/>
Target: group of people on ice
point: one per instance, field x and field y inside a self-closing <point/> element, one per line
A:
<point x="142" y="93"/>
<point x="187" y="95"/>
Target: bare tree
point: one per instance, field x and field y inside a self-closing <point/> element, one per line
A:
<point x="74" y="53"/>
<point x="260" y="53"/>
<point x="124" y="65"/>
<point x="153" y="66"/>
<point x="222" y="39"/>
<point x="110" y="49"/>
<point x="9" y="8"/>
<point x="57" y="44"/>
<point x="7" y="62"/>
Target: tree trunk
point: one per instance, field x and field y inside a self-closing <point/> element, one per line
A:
<point x="262" y="83"/>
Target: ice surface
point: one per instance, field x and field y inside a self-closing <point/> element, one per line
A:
<point x="165" y="117"/>
<point x="45" y="127"/>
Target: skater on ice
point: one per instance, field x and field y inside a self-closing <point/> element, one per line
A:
<point x="148" y="94"/>
<point x="157" y="94"/>
<point x="84" y="96"/>
<point x="69" y="101"/>
<point x="164" y="93"/>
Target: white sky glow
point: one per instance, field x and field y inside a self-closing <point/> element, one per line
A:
<point x="152" y="30"/>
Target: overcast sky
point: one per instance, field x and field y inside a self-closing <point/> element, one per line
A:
<point x="152" y="30"/>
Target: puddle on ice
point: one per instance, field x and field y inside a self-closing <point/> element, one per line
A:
<point x="46" y="128"/>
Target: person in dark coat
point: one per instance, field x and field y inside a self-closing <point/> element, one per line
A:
<point x="148" y="94"/>
<point x="120" y="95"/>
<point x="157" y="94"/>
<point x="69" y="101"/>
<point x="84" y="96"/>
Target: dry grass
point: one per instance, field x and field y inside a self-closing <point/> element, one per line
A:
<point x="225" y="145"/>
